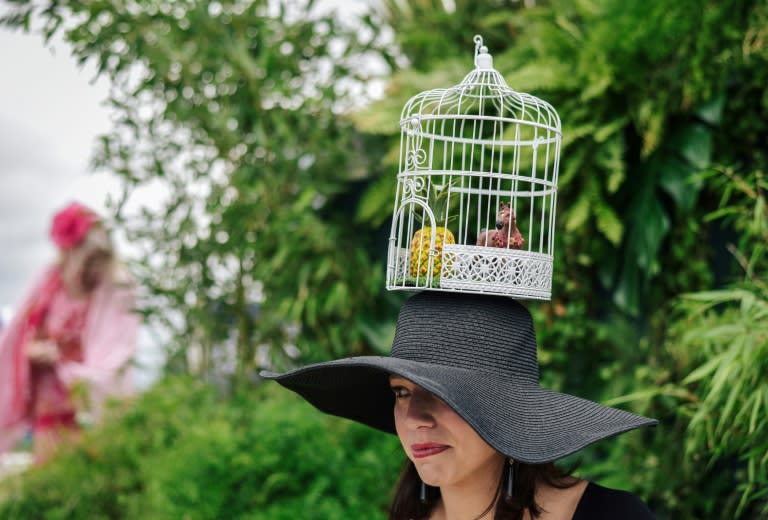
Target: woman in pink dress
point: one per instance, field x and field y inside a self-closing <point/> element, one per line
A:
<point x="69" y="347"/>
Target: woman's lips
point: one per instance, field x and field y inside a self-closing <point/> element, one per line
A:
<point x="427" y="449"/>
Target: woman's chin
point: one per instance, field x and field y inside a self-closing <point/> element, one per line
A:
<point x="431" y="477"/>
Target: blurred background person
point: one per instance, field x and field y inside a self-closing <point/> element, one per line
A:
<point x="69" y="346"/>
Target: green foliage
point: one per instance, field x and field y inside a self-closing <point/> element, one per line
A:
<point x="183" y="452"/>
<point x="728" y="349"/>
<point x="232" y="110"/>
<point x="721" y="338"/>
<point x="706" y="381"/>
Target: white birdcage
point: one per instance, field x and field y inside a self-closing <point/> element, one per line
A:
<point x="477" y="188"/>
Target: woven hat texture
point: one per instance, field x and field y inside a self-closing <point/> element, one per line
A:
<point x="478" y="354"/>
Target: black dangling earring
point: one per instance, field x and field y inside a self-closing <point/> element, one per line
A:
<point x="509" y="490"/>
<point x="423" y="493"/>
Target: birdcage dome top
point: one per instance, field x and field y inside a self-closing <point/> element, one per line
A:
<point x="482" y="94"/>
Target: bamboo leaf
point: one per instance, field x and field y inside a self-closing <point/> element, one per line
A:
<point x="704" y="370"/>
<point x="609" y="224"/>
<point x="753" y="418"/>
<point x="578" y="214"/>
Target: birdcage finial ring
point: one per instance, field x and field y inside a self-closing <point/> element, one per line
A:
<point x="483" y="60"/>
<point x="478" y="43"/>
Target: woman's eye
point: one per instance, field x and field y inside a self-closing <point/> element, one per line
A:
<point x="399" y="392"/>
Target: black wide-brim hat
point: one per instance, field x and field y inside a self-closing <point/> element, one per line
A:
<point x="478" y="354"/>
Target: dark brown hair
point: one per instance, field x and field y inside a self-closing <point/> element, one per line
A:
<point x="406" y="504"/>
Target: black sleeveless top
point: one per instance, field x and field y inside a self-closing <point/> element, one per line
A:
<point x="601" y="503"/>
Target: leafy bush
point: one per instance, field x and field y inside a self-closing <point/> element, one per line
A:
<point x="184" y="452"/>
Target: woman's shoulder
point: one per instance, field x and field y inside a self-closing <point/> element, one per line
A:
<point x="599" y="502"/>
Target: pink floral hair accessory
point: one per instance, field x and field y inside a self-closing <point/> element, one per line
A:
<point x="71" y="224"/>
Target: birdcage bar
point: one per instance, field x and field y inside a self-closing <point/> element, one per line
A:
<point x="467" y="140"/>
<point x="553" y="122"/>
<point x="501" y="192"/>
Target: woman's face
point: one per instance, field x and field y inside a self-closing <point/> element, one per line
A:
<point x="444" y="448"/>
<point x="95" y="268"/>
<point x="86" y="266"/>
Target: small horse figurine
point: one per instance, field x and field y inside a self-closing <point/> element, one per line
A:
<point x="506" y="235"/>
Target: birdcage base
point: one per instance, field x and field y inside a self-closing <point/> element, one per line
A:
<point x="478" y="269"/>
<point x="512" y="272"/>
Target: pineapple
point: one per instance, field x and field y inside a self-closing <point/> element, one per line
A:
<point x="420" y="250"/>
<point x="419" y="253"/>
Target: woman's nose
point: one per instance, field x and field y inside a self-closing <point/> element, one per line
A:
<point x="420" y="411"/>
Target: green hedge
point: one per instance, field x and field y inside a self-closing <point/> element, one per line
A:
<point x="183" y="452"/>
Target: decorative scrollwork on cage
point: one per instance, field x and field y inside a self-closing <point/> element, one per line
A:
<point x="416" y="155"/>
<point x="414" y="186"/>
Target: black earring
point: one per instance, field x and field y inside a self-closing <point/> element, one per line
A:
<point x="423" y="493"/>
<point x="509" y="490"/>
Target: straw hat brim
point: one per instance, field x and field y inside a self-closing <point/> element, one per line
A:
<point x="517" y="418"/>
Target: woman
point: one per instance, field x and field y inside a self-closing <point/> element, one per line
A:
<point x="461" y="391"/>
<point x="69" y="345"/>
